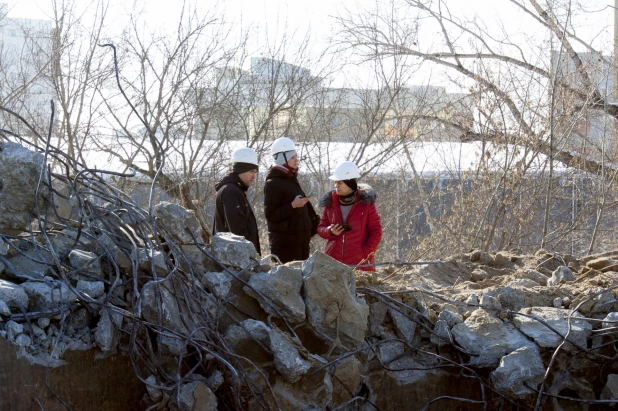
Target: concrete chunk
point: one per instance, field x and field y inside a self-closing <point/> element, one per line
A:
<point x="330" y="297"/>
<point x="20" y="172"/>
<point x="281" y="285"/>
<point x="557" y="319"/>
<point x="13" y="295"/>
<point x="518" y="369"/>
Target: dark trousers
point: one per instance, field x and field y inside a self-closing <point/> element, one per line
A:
<point x="291" y="252"/>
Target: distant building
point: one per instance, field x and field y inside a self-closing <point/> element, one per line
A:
<point x="24" y="44"/>
<point x="275" y="98"/>
<point x="580" y="129"/>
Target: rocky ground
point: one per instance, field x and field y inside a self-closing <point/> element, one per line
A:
<point x="207" y="325"/>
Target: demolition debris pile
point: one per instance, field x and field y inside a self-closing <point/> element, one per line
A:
<point x="82" y="267"/>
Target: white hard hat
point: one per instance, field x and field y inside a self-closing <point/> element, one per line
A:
<point x="345" y="170"/>
<point x="245" y="155"/>
<point x="282" y="144"/>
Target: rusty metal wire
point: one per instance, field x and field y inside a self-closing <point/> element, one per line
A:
<point x="112" y="224"/>
<point x="115" y="227"/>
<point x="421" y="319"/>
<point x="105" y="213"/>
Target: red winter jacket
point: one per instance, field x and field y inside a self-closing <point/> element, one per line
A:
<point x="357" y="246"/>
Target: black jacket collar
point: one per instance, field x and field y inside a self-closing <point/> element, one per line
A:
<point x="231" y="179"/>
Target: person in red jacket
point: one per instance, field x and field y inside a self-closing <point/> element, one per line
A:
<point x="350" y="221"/>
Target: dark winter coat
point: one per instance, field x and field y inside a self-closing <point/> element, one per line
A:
<point x="289" y="229"/>
<point x="233" y="213"/>
<point x="357" y="246"/>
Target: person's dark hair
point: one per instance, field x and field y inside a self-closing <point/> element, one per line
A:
<point x="351" y="183"/>
<point x="239" y="168"/>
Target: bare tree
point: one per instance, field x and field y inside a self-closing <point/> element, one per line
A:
<point x="75" y="69"/>
<point x="170" y="82"/>
<point x="530" y="96"/>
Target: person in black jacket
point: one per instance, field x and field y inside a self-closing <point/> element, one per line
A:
<point x="233" y="213"/>
<point x="291" y="218"/>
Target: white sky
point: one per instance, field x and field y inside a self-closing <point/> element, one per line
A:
<point x="279" y="16"/>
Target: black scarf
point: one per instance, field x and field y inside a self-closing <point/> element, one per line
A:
<point x="347" y="200"/>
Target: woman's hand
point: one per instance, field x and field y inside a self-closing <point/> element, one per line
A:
<point x="336" y="229"/>
<point x="299" y="201"/>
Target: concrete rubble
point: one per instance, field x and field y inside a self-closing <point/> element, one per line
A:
<point x="282" y="286"/>
<point x="20" y="173"/>
<point x="519" y="370"/>
<point x="209" y="326"/>
<point x="179" y="222"/>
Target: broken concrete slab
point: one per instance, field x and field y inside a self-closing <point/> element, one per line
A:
<point x="412" y="382"/>
<point x="482" y="257"/>
<point x="43" y="322"/>
<point x="390" y="349"/>
<point x="490" y="303"/>
<point x="45" y="296"/>
<point x="487" y="338"/>
<point x="244" y="339"/>
<point x="440" y="335"/>
<point x="169" y="307"/>
<point x="34" y="264"/>
<point x="93" y="289"/>
<point x="215" y="380"/>
<point x="346" y="378"/>
<point x="176" y="219"/>
<point x="149" y="260"/>
<point x="13" y="295"/>
<point x="604" y="301"/>
<point x="333" y="309"/>
<point x="63" y="241"/>
<point x="219" y="283"/>
<point x="535" y="276"/>
<point x="561" y="275"/>
<point x="288" y="360"/>
<point x="21" y="170"/>
<point x="377" y="315"/>
<point x="501" y="259"/>
<point x="312" y="392"/>
<point x="196" y="260"/>
<point x="557" y="319"/>
<point x="404" y="326"/>
<point x="87" y="264"/>
<point x="451" y="316"/>
<point x="4" y="309"/>
<point x="170" y="345"/>
<point x="478" y="275"/>
<point x="519" y="370"/>
<point x="106" y="334"/>
<point x="22" y="340"/>
<point x="515" y="298"/>
<point x="610" y="391"/>
<point x="281" y="285"/>
<point x="196" y="396"/>
<point x="233" y="250"/>
<point x="83" y="379"/>
<point x="610" y="320"/>
<point x="523" y="282"/>
<point x="154" y="393"/>
<point x="13" y="329"/>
